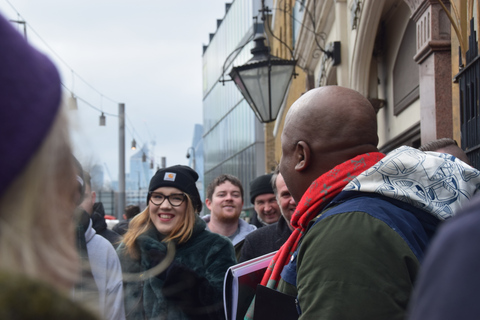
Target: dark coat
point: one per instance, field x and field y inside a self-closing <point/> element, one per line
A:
<point x="100" y="225"/>
<point x="121" y="227"/>
<point x="265" y="240"/>
<point x="448" y="286"/>
<point x="198" y="268"/>
<point x="255" y="221"/>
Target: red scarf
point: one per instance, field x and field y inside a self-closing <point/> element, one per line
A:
<point x="318" y="195"/>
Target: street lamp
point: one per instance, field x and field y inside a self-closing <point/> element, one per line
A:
<point x="102" y="120"/>
<point x="263" y="80"/>
<point x="193" y="156"/>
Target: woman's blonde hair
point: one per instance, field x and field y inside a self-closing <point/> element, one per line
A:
<point x="36" y="212"/>
<point x="142" y="222"/>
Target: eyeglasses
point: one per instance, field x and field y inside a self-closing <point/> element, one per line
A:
<point x="175" y="199"/>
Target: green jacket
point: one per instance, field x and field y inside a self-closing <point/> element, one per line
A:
<point x="360" y="258"/>
<point x="359" y="264"/>
<point x="203" y="259"/>
<point x="27" y="299"/>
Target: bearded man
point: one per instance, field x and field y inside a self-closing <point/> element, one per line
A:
<point x="225" y="202"/>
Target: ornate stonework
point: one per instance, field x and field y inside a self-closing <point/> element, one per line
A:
<point x="433" y="30"/>
<point x="434" y="59"/>
<point x="424" y="30"/>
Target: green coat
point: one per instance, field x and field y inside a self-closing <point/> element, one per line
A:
<point x="360" y="258"/>
<point x="353" y="266"/>
<point x="27" y="299"/>
<point x="205" y="255"/>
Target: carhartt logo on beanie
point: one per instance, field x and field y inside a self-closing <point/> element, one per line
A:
<point x="180" y="177"/>
<point x="169" y="176"/>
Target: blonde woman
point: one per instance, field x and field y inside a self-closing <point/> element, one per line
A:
<point x="190" y="286"/>
<point x="39" y="261"/>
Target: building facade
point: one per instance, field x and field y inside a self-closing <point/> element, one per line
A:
<point x="397" y="53"/>
<point x="233" y="139"/>
<point x="415" y="64"/>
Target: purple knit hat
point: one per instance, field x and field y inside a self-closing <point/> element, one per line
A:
<point x="30" y="94"/>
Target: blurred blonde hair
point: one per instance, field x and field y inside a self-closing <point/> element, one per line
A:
<point x="36" y="214"/>
<point x="142" y="222"/>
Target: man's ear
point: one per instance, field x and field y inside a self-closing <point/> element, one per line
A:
<point x="302" y="154"/>
<point x="94" y="196"/>
<point x="208" y="203"/>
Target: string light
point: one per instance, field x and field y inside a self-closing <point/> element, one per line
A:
<point x="102" y="120"/>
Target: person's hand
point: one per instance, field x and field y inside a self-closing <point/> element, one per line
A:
<point x="181" y="284"/>
<point x="190" y="292"/>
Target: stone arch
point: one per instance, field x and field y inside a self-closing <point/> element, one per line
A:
<point x="364" y="42"/>
<point x="363" y="47"/>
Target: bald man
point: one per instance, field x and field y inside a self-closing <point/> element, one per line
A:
<point x="448" y="146"/>
<point x="363" y="219"/>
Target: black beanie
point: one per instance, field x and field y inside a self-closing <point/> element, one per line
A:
<point x="260" y="185"/>
<point x="180" y="177"/>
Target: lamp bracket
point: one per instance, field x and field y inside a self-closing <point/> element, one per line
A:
<point x="235" y="52"/>
<point x="265" y="10"/>
<point x="222" y="80"/>
<point x="333" y="53"/>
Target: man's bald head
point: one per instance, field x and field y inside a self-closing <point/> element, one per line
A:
<point x="323" y="128"/>
<point x="446" y="145"/>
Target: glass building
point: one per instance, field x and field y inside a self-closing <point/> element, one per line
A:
<point x="233" y="137"/>
<point x="195" y="159"/>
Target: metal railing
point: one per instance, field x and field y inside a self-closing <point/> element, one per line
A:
<point x="469" y="84"/>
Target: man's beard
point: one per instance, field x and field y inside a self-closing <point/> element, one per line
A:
<point x="226" y="218"/>
<point x="261" y="220"/>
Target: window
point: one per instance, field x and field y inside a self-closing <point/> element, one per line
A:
<point x="405" y="72"/>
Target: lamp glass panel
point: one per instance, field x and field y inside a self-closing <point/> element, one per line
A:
<point x="281" y="76"/>
<point x="255" y="83"/>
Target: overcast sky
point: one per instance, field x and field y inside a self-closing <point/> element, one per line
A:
<point x="144" y="53"/>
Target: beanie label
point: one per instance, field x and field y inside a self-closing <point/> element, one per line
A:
<point x="169" y="176"/>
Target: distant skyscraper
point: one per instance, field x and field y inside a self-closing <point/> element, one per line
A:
<point x="137" y="180"/>
<point x="140" y="172"/>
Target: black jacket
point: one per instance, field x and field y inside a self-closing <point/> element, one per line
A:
<point x="265" y="240"/>
<point x="121" y="227"/>
<point x="100" y="225"/>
